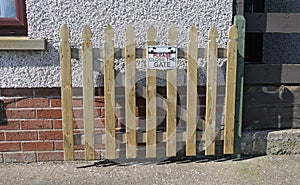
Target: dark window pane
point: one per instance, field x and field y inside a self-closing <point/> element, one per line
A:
<point x="253" y="49"/>
<point x="254" y="6"/>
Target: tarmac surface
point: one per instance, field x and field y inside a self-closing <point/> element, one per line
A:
<point x="271" y="169"/>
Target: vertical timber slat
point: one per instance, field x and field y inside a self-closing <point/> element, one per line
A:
<point x="211" y="92"/>
<point x="151" y="101"/>
<point x="109" y="94"/>
<point x="130" y="99"/>
<point x="88" y="93"/>
<point x="240" y="23"/>
<point x="171" y="100"/>
<point x="230" y="91"/>
<point x="66" y="93"/>
<point x="192" y="56"/>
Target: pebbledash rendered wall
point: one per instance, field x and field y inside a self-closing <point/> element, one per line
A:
<point x="31" y="128"/>
<point x="41" y="69"/>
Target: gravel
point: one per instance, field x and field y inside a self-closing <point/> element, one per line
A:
<point x="258" y="170"/>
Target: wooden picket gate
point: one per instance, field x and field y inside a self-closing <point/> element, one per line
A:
<point x="151" y="137"/>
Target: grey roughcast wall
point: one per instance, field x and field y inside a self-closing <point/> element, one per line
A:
<point x="29" y="69"/>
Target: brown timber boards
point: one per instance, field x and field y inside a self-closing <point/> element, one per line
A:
<point x="273" y="22"/>
<point x="272" y="74"/>
<point x="280" y="103"/>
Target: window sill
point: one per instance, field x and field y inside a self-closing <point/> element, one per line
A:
<point x="21" y="43"/>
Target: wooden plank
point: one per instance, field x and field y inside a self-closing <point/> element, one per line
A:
<point x="272" y="74"/>
<point x="273" y="22"/>
<point x="88" y="93"/>
<point x="191" y="92"/>
<point x="66" y="93"/>
<point x="211" y="92"/>
<point x="140" y="53"/>
<point x="279" y="102"/>
<point x="141" y="137"/>
<point x="130" y="99"/>
<point x="171" y="100"/>
<point x="230" y="91"/>
<point x="151" y="101"/>
<point x="239" y="22"/>
<point x="109" y="93"/>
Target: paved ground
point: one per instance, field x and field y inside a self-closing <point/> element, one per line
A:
<point x="260" y="170"/>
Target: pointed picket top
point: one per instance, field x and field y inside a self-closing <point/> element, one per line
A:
<point x="193" y="33"/>
<point x="213" y="33"/>
<point x="173" y="34"/>
<point x="151" y="33"/>
<point x="130" y="34"/>
<point x="108" y="33"/>
<point x="64" y="32"/>
<point x="86" y="33"/>
<point x="233" y="33"/>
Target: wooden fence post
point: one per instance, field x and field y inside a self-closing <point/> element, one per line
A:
<point x="109" y="94"/>
<point x="151" y="101"/>
<point x="88" y="93"/>
<point x="130" y="97"/>
<point x="230" y="91"/>
<point x="192" y="56"/>
<point x="240" y="23"/>
<point x="211" y="92"/>
<point x="66" y="93"/>
<point x="171" y="101"/>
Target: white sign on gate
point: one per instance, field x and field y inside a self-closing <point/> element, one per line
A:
<point x="161" y="57"/>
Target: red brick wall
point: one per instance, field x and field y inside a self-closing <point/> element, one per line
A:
<point x="31" y="124"/>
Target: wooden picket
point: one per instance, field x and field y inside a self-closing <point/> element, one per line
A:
<point x="211" y="92"/>
<point x="88" y="93"/>
<point x="66" y="93"/>
<point x="130" y="100"/>
<point x="151" y="137"/>
<point x="171" y="101"/>
<point x="191" y="110"/>
<point x="230" y="95"/>
<point x="109" y="93"/>
<point x="151" y="101"/>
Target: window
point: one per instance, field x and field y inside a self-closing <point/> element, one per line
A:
<point x="13" y="18"/>
<point x="254" y="41"/>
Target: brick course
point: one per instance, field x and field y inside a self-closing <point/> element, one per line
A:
<point x="9" y="125"/>
<point x="20" y="114"/>
<point x="36" y="124"/>
<point x="32" y="103"/>
<point x="50" y="135"/>
<point x="10" y="146"/>
<point x="37" y="146"/>
<point x="19" y="157"/>
<point x="49" y="114"/>
<point x="21" y="136"/>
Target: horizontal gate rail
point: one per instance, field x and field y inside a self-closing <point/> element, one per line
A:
<point x="141" y="53"/>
